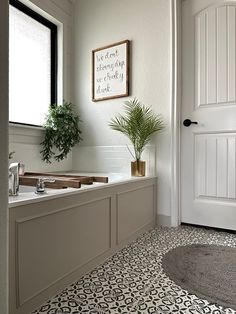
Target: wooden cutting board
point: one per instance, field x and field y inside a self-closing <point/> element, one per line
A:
<point x="61" y="180"/>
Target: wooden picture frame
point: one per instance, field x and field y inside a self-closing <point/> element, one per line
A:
<point x="110" y="71"/>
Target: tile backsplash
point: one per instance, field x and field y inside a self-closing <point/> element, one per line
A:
<point x="110" y="159"/>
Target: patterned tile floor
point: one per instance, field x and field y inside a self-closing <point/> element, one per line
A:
<point x="132" y="281"/>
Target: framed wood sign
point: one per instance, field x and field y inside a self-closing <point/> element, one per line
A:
<point x="110" y="71"/>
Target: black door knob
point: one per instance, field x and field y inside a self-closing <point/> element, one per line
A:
<point x="188" y="122"/>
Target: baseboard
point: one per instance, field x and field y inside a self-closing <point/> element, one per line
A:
<point x="163" y="220"/>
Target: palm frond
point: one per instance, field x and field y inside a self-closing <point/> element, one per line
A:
<point x="138" y="124"/>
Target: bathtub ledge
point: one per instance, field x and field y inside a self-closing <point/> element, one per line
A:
<point x="30" y="197"/>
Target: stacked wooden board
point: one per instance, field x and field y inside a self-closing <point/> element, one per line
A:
<point x="60" y="181"/>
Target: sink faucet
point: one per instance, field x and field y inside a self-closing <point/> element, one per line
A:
<point x="14" y="178"/>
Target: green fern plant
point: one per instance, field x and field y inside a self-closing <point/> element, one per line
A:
<point x="61" y="132"/>
<point x="139" y="123"/>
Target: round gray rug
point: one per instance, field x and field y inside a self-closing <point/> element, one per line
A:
<point x="208" y="271"/>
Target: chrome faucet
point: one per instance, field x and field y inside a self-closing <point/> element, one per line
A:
<point x="40" y="186"/>
<point x="13" y="178"/>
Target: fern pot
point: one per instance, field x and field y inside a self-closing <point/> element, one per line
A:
<point x="138" y="168"/>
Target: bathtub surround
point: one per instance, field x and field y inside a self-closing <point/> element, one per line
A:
<point x="57" y="237"/>
<point x="117" y="159"/>
<point x="133" y="280"/>
<point x="114" y="159"/>
<point x="25" y="142"/>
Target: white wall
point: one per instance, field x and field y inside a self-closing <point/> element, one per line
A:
<point x="146" y="23"/>
<point x="4" y="157"/>
<point x="26" y="141"/>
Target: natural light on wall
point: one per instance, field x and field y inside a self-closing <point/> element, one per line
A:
<point x="29" y="69"/>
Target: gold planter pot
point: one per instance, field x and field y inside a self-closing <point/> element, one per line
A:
<point x="138" y="168"/>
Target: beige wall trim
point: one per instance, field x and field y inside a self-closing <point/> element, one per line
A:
<point x="133" y="190"/>
<point x="53" y="212"/>
<point x="4" y="157"/>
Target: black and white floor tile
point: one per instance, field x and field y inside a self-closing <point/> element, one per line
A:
<point x="132" y="281"/>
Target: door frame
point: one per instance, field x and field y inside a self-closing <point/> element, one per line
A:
<point x="175" y="110"/>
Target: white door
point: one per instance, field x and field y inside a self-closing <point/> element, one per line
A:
<point x="208" y="149"/>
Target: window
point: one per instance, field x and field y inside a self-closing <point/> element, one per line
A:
<point x="32" y="65"/>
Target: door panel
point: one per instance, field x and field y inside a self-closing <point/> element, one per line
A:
<point x="215" y="166"/>
<point x="208" y="149"/>
<point x="215" y="56"/>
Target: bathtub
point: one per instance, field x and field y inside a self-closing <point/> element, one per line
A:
<point x="57" y="237"/>
<point x="27" y="194"/>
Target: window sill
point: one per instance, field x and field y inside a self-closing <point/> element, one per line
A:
<point x="25" y="134"/>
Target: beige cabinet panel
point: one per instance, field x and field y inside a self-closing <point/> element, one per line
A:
<point x="134" y="210"/>
<point x="54" y="242"/>
<point x="53" y="245"/>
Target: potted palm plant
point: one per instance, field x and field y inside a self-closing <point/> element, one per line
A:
<point x="139" y="123"/>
